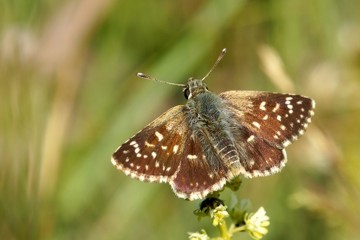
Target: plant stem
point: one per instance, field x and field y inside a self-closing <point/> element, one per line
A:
<point x="238" y="229"/>
<point x="224" y="231"/>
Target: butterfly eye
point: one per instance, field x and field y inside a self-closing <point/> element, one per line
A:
<point x="186" y="93"/>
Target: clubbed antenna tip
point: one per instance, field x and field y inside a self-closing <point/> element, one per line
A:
<point x="216" y="63"/>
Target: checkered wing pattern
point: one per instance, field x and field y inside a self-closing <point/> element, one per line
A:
<point x="263" y="125"/>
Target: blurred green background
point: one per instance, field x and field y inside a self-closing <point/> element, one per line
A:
<point x="69" y="97"/>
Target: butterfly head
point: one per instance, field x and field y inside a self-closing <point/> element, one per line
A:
<point x="194" y="87"/>
<point x="197" y="86"/>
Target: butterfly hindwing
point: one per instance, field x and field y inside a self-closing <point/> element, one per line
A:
<point x="257" y="156"/>
<point x="200" y="172"/>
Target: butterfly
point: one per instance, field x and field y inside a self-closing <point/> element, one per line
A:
<point x="199" y="146"/>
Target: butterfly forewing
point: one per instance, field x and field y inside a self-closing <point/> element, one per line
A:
<point x="153" y="154"/>
<point x="277" y="118"/>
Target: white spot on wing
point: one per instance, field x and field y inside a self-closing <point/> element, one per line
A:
<point x="191" y="157"/>
<point x="286" y="143"/>
<point x="313" y="104"/>
<point x="262" y="106"/>
<point x="159" y="136"/>
<point x="175" y="148"/>
<point x="153" y="154"/>
<point x="152" y="178"/>
<point x="251" y="138"/>
<point x="252" y="162"/>
<point x="149" y="144"/>
<point x="276" y="107"/>
<point x="113" y="161"/>
<point x="169" y="127"/>
<point x="256" y="124"/>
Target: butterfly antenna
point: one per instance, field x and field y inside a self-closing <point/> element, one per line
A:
<point x="147" y="77"/>
<point x="215" y="64"/>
